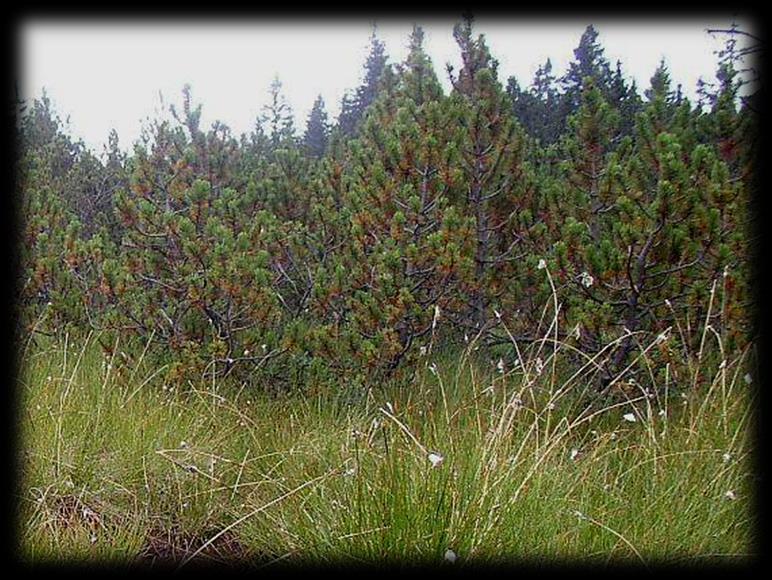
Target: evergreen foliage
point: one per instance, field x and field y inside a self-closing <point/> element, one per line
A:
<point x="354" y="105"/>
<point x="317" y="129"/>
<point x="419" y="219"/>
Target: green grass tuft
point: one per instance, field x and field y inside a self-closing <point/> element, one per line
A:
<point x="119" y="465"/>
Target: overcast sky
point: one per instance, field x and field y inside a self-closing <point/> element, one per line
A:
<point x="108" y="74"/>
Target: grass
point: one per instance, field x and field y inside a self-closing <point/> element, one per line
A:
<point x="119" y="466"/>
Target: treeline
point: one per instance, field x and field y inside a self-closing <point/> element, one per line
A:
<point x="352" y="249"/>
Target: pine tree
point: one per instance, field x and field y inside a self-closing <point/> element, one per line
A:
<point x="193" y="274"/>
<point x="734" y="133"/>
<point x="47" y="293"/>
<point x="405" y="252"/>
<point x="72" y="169"/>
<point x="499" y="195"/>
<point x="59" y="184"/>
<point x="347" y="119"/>
<point x="644" y="241"/>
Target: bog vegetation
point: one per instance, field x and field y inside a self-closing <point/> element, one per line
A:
<point x="496" y="323"/>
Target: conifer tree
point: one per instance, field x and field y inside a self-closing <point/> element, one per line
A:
<point x="723" y="123"/>
<point x="589" y="62"/>
<point x="355" y="250"/>
<point x="539" y="108"/>
<point x="193" y="273"/>
<point x="317" y="129"/>
<point x="645" y="240"/>
<point x="625" y="99"/>
<point x="62" y="192"/>
<point x="115" y="179"/>
<point x="70" y="167"/>
<point x="277" y="117"/>
<point x="49" y="231"/>
<point x="402" y="264"/>
<point x="354" y="105"/>
<point x="499" y="194"/>
<point x="734" y="133"/>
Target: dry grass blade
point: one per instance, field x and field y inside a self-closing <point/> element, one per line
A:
<point x="255" y="512"/>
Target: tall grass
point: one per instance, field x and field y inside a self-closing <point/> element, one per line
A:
<point x="492" y="461"/>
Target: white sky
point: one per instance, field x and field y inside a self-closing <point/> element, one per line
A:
<point x="108" y="74"/>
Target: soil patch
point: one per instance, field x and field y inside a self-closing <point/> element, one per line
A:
<point x="170" y="547"/>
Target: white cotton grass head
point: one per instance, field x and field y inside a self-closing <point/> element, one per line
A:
<point x="730" y="495"/>
<point x="748" y="378"/>
<point x="586" y="279"/>
<point x="500" y="365"/>
<point x="450" y="556"/>
<point x="435" y="458"/>
<point x="542" y="264"/>
<point x="630" y="417"/>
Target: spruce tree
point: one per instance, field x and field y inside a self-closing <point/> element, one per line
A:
<point x="539" y="108"/>
<point x="589" y="62"/>
<point x="317" y="129"/>
<point x="354" y="106"/>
